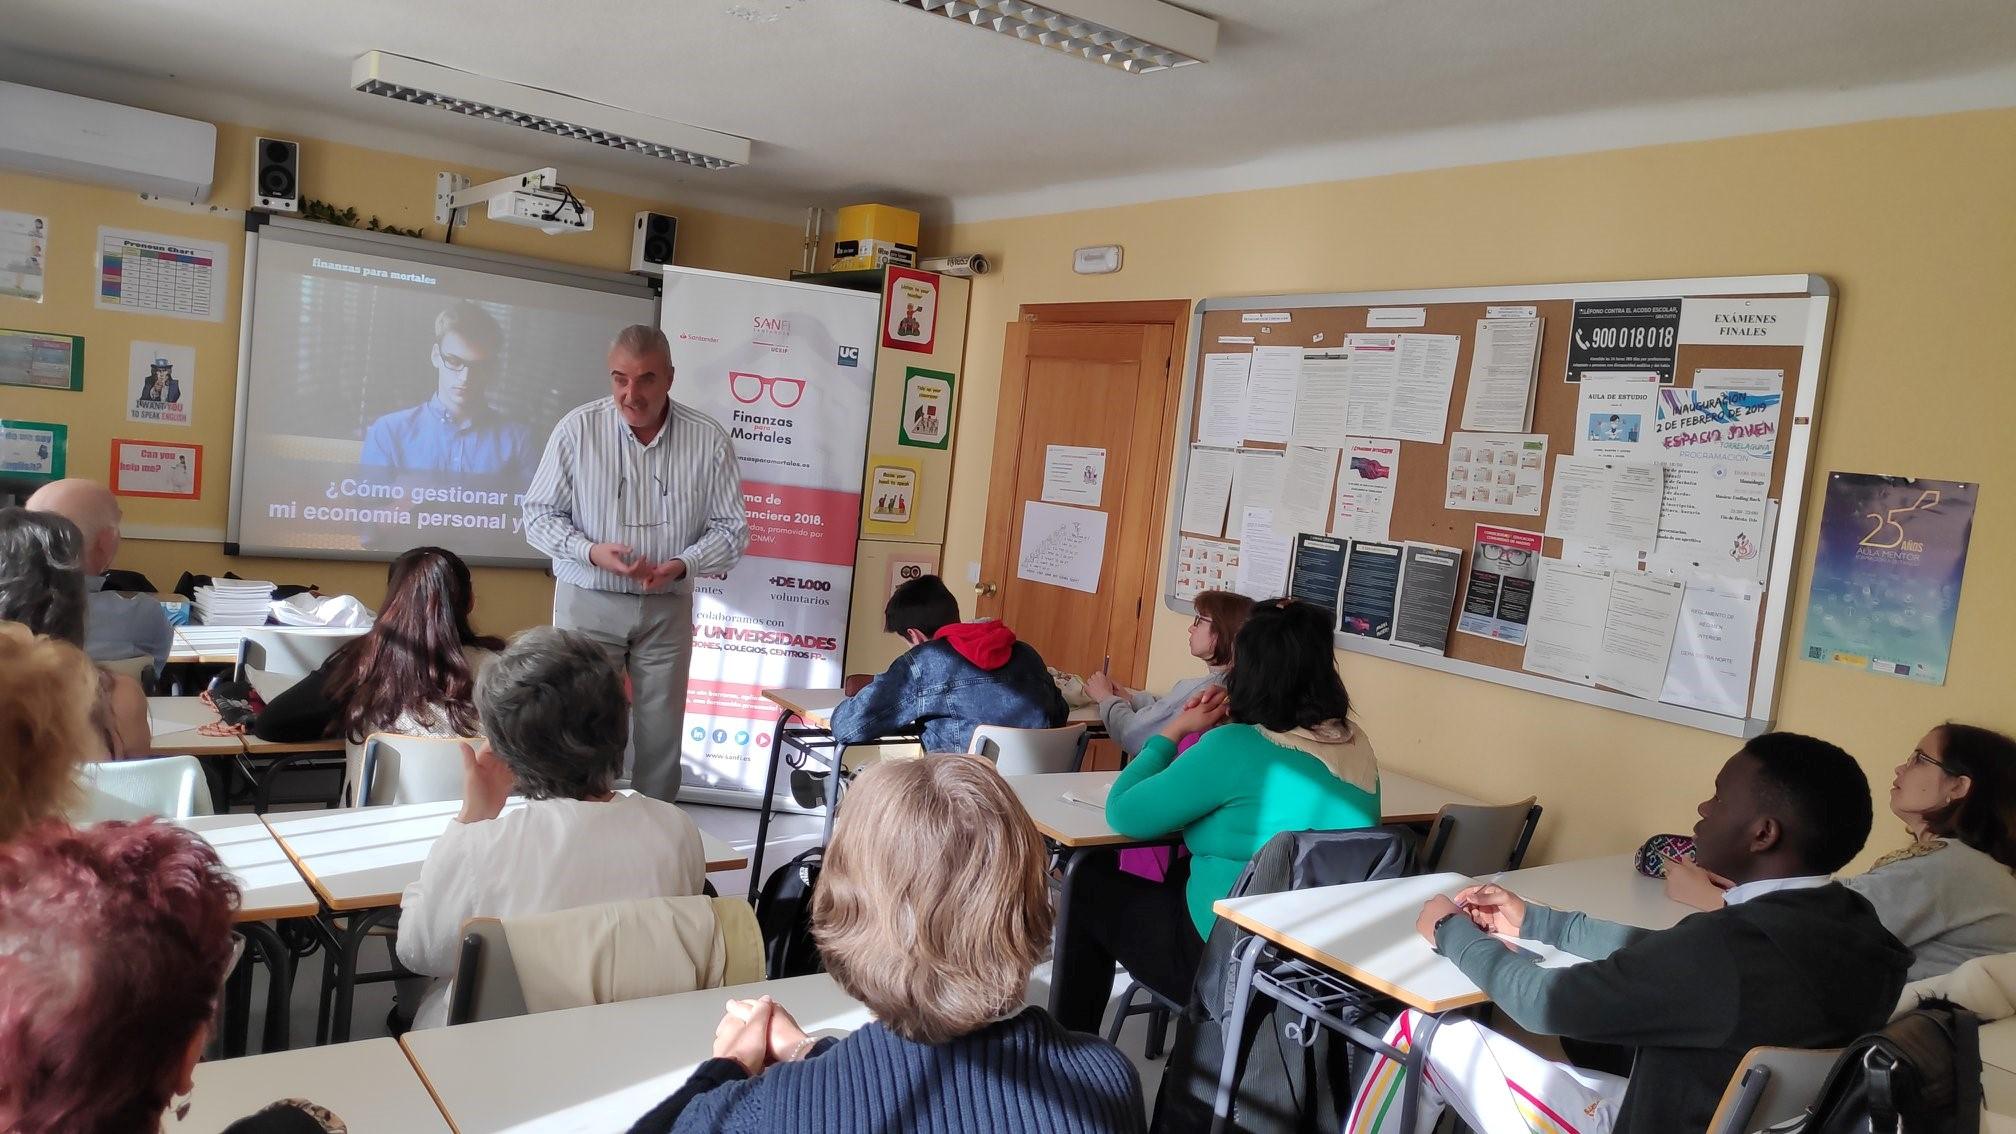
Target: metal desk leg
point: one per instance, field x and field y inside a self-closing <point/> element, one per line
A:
<point x="833" y="793"/>
<point x="1068" y="860"/>
<point x="1247" y="954"/>
<point x="362" y="922"/>
<point x="1417" y="1064"/>
<point x="279" y="960"/>
<point x="238" y="1004"/>
<point x="763" y="808"/>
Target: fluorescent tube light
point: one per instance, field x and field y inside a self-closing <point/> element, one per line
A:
<point x="428" y="84"/>
<point x="1137" y="36"/>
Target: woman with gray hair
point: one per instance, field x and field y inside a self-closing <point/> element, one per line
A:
<point x="42" y="587"/>
<point x="553" y="709"/>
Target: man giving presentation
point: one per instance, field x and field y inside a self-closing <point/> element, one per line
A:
<point x="634" y="496"/>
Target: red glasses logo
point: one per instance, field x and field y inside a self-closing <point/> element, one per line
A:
<point x="747" y="388"/>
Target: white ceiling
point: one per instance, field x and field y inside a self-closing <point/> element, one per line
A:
<point x="852" y="100"/>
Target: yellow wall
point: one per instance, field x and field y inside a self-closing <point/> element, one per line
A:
<point x="400" y="190"/>
<point x="1911" y="219"/>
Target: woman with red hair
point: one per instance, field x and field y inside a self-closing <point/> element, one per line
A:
<point x="114" y="942"/>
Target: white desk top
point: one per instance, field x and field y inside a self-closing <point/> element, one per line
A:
<point x="174" y="721"/>
<point x="219" y="644"/>
<point x="364" y="857"/>
<point x="598" y="1068"/>
<point x="1365" y="930"/>
<point x="815" y="707"/>
<point x="1402" y="799"/>
<point x="272" y="885"/>
<point x="370" y="1085"/>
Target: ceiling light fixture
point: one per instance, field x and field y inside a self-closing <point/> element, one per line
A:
<point x="428" y="84"/>
<point x="1137" y="36"/>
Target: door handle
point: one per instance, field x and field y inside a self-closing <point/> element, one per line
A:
<point x="986" y="590"/>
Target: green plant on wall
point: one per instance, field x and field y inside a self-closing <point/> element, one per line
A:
<point x="312" y="209"/>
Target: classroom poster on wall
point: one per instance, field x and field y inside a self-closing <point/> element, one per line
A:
<point x="1371" y="590"/>
<point x="1497" y="472"/>
<point x="24" y="243"/>
<point x="152" y="468"/>
<point x="1205" y="565"/>
<point x="890" y="507"/>
<point x="1074" y="474"/>
<point x="910" y="310"/>
<point x="1499" y="597"/>
<point x="160" y="383"/>
<point x="34" y="450"/>
<point x="41" y="360"/>
<point x="927" y="409"/>
<point x="1318" y="573"/>
<point x="1061" y="546"/>
<point x="148" y="273"/>
<point x="1624" y="335"/>
<point x="1427" y="596"/>
<point x="908" y="568"/>
<point x="1887" y="574"/>
<point x="1365" y="484"/>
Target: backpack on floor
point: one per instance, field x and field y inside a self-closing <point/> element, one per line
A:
<point x="1920" y="1074"/>
<point x="784" y="914"/>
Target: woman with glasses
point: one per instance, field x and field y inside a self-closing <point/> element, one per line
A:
<point x="1948" y="894"/>
<point x="1132" y="718"/>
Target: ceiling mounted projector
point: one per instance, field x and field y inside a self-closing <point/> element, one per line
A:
<point x="564" y="116"/>
<point x="1136" y="36"/>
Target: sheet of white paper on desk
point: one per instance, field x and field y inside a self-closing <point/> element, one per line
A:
<point x="1306" y="478"/>
<point x="1062" y="546"/>
<point x="1564" y="635"/>
<point x="1504" y="362"/>
<point x="1092" y="794"/>
<point x="1709" y="380"/>
<point x="1207" y="489"/>
<point x="1256" y="483"/>
<point x="1614" y="503"/>
<point x="156" y="726"/>
<point x="1323" y="399"/>
<point x="1711" y="518"/>
<point x="1615" y="417"/>
<point x="1221" y="416"/>
<point x="1396" y="317"/>
<point x="1638" y="632"/>
<point x="1374" y="373"/>
<point x="1426" y="376"/>
<point x="1271" y="385"/>
<point x="1264" y="555"/>
<point x="1713" y="645"/>
<point x="1365" y="487"/>
<point x="1074" y="474"/>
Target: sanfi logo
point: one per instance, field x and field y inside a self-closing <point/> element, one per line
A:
<point x="850" y="356"/>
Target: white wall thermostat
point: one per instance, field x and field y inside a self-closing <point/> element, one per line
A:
<point x="1096" y="261"/>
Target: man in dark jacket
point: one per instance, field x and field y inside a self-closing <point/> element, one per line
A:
<point x="955" y="676"/>
<point x="1792" y="960"/>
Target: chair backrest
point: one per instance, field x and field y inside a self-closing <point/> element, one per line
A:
<point x="1480" y="841"/>
<point x="299" y="652"/>
<point x="1771" y="1085"/>
<point x="139" y="667"/>
<point x="486" y="978"/>
<point x="1030" y="751"/>
<point x="172" y="787"/>
<point x="407" y="769"/>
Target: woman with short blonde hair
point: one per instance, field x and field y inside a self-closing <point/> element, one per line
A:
<point x="931" y="910"/>
<point x="48" y="689"/>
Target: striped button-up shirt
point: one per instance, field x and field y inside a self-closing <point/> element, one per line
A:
<point x="679" y="497"/>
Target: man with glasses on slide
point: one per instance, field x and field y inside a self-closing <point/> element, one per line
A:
<point x="635" y="495"/>
<point x="455" y="431"/>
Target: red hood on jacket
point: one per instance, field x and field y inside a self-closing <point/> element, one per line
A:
<point x="985" y="644"/>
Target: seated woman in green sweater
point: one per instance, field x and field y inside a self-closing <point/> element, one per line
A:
<point x="1287" y="758"/>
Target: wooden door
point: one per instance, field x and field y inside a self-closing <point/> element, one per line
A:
<point x="1104" y="386"/>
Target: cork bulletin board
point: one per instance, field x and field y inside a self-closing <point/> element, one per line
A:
<point x="1421" y="510"/>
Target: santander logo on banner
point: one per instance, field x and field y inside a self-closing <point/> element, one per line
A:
<point x="788" y="371"/>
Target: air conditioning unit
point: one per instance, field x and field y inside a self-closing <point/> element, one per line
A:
<point x="103" y="143"/>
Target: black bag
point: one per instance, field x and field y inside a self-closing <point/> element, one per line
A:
<point x="784" y="914"/>
<point x="1919" y="1074"/>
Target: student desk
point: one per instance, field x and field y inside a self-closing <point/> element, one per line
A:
<point x="601" y="1067"/>
<point x="811" y="737"/>
<point x="174" y="721"/>
<point x="1333" y="951"/>
<point x="271" y="889"/>
<point x="359" y="860"/>
<point x="1078" y="825"/>
<point x="370" y="1085"/>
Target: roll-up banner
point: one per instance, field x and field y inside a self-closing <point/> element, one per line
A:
<point x="788" y="369"/>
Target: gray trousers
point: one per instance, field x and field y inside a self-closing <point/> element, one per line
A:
<point x="651" y="638"/>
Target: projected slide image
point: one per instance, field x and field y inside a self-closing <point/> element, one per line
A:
<point x="395" y="403"/>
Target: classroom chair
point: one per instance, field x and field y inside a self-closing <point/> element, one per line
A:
<point x="1029" y="751"/>
<point x="172" y="787"/>
<point x="1480" y="841"/>
<point x="300" y="653"/>
<point x="393" y="768"/>
<point x="140" y="668"/>
<point x="1771" y="1085"/>
<point x="603" y="954"/>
